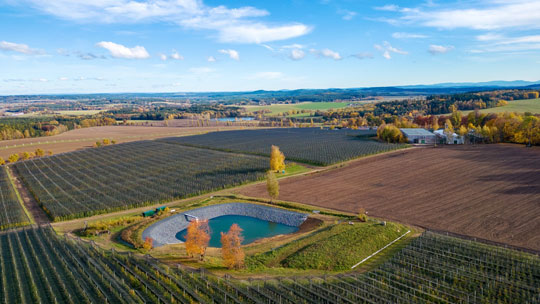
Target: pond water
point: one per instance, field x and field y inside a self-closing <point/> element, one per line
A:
<point x="254" y="228"/>
<point x="233" y="119"/>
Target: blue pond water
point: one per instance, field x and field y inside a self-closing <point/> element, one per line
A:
<point x="254" y="228"/>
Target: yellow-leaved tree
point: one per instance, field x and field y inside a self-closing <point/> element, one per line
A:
<point x="197" y="238"/>
<point x="277" y="159"/>
<point x="231" y="249"/>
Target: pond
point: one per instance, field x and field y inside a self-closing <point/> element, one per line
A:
<point x="253" y="228"/>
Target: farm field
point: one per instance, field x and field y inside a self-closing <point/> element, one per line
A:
<point x="122" y="176"/>
<point x="12" y="213"/>
<point x="280" y="108"/>
<point x="307" y="145"/>
<point x="86" y="137"/>
<point x="487" y="191"/>
<point x="36" y="265"/>
<point x="519" y="106"/>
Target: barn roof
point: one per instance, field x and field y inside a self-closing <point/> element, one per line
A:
<point x="416" y="132"/>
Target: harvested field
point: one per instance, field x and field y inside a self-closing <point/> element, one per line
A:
<point x="489" y="191"/>
<point x="85" y="138"/>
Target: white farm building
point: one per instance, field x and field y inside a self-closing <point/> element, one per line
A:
<point x="419" y="136"/>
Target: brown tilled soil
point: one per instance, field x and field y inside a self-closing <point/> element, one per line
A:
<point x="85" y="138"/>
<point x="487" y="191"/>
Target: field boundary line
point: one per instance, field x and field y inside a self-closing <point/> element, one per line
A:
<point x="19" y="198"/>
<point x="376" y="252"/>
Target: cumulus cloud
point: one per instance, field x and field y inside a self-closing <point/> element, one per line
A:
<point x="388" y="7"/>
<point x="120" y="51"/>
<point x="399" y="35"/>
<point x="233" y="54"/>
<point x="386" y="48"/>
<point x="297" y="54"/>
<point x="211" y="59"/>
<point x="163" y="57"/>
<point x="231" y="24"/>
<point x="328" y="53"/>
<point x="19" y="48"/>
<point x="176" y="56"/>
<point x="439" y="49"/>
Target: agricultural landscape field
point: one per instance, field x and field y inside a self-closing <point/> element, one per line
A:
<point x="12" y="213"/>
<point x="275" y="109"/>
<point x="307" y="145"/>
<point x="484" y="191"/>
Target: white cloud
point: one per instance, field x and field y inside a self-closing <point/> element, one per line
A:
<point x="211" y="59"/>
<point x="267" y="75"/>
<point x="297" y="54"/>
<point x="388" y="7"/>
<point x="399" y="35"/>
<point x="233" y="54"/>
<point x="491" y="15"/>
<point x="231" y="24"/>
<point x="500" y="43"/>
<point x="387" y="48"/>
<point x="43" y="80"/>
<point x="347" y="15"/>
<point x="328" y="53"/>
<point x="163" y="57"/>
<point x="176" y="56"/>
<point x="120" y="51"/>
<point x="63" y="78"/>
<point x="439" y="49"/>
<point x="259" y="33"/>
<point x="19" y="48"/>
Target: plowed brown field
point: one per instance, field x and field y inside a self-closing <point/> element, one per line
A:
<point x="487" y="191"/>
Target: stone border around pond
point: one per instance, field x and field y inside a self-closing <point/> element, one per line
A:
<point x="164" y="232"/>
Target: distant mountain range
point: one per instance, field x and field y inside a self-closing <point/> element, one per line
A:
<point x="299" y="95"/>
<point x="495" y="83"/>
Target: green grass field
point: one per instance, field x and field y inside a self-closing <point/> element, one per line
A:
<point x="346" y="244"/>
<point x="280" y="108"/>
<point x="79" y="112"/>
<point x="519" y="106"/>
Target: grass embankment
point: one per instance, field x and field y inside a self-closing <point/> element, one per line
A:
<point x="334" y="248"/>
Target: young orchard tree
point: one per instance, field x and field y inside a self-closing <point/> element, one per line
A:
<point x="272" y="185"/>
<point x="197" y="238"/>
<point x="277" y="159"/>
<point x="39" y="152"/>
<point x="13" y="158"/>
<point x="362" y="216"/>
<point x="148" y="243"/>
<point x="231" y="250"/>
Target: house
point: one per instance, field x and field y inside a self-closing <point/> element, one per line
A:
<point x="453" y="139"/>
<point x="419" y="136"/>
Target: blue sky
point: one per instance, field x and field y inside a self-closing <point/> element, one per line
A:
<point x="79" y="46"/>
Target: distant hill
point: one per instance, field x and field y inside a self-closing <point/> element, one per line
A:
<point x="495" y="83"/>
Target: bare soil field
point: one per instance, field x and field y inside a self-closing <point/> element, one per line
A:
<point x="487" y="191"/>
<point x="86" y="137"/>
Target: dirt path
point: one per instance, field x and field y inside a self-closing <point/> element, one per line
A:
<point x="30" y="203"/>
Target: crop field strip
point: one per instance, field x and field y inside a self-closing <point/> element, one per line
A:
<point x="12" y="213"/>
<point x="123" y="176"/>
<point x="37" y="266"/>
<point x="501" y="206"/>
<point x="307" y="145"/>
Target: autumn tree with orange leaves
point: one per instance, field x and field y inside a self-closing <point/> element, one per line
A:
<point x="231" y="250"/>
<point x="197" y="238"/>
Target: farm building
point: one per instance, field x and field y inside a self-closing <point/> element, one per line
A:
<point x="454" y="139"/>
<point x="419" y="136"/>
